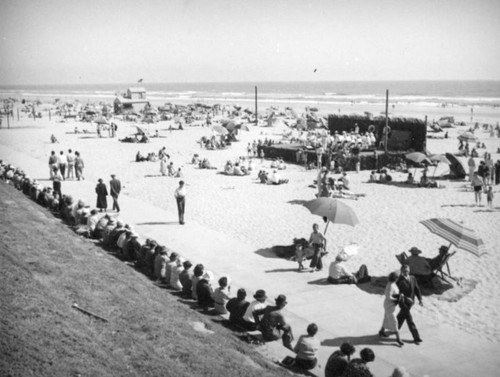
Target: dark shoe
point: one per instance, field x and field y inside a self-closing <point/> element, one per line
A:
<point x="418" y="341"/>
<point x="400" y="343"/>
<point x="382" y="334"/>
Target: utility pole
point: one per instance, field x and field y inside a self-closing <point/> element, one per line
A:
<point x="256" y="109"/>
<point x="386" y="129"/>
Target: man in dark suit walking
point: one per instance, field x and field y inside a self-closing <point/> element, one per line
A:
<point x="408" y="288"/>
<point x="115" y="187"/>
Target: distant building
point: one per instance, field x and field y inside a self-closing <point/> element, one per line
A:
<point x="126" y="101"/>
<point x="135" y="93"/>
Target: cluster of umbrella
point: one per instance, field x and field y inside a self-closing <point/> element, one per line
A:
<point x="336" y="212"/>
<point x="433" y="159"/>
<point x="229" y="126"/>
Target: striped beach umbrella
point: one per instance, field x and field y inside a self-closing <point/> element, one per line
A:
<point x="455" y="233"/>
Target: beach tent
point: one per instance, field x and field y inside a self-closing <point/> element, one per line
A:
<point x="458" y="166"/>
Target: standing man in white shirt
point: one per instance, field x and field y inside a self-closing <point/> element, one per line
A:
<point x="180" y="197"/>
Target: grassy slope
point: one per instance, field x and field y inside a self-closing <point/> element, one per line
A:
<point x="45" y="268"/>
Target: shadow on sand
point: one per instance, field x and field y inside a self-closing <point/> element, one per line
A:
<point x="354" y="340"/>
<point x="159" y="223"/>
<point x="297" y="201"/>
<point x="266" y="253"/>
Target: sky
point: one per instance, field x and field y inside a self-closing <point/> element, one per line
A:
<point x="118" y="41"/>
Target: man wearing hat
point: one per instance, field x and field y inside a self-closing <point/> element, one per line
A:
<point x="418" y="265"/>
<point x="408" y="288"/>
<point x="115" y="186"/>
<point x="273" y="325"/>
<point x="249" y="320"/>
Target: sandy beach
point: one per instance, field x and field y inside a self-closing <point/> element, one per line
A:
<point x="264" y="215"/>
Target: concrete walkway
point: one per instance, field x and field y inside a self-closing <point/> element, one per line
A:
<point x="341" y="312"/>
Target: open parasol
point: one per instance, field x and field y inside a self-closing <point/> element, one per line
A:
<point x="456" y="234"/>
<point x="333" y="210"/>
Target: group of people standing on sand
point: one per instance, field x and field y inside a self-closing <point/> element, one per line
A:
<point x="64" y="166"/>
<point x="482" y="177"/>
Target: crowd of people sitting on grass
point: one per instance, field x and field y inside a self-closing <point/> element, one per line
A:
<point x="194" y="282"/>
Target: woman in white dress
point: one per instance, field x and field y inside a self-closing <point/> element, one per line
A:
<point x="390" y="324"/>
<point x="163" y="164"/>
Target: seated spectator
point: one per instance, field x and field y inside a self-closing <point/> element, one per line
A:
<point x="306" y="349"/>
<point x="249" y="320"/>
<point x="172" y="263"/>
<point x="204" y="291"/>
<point x="263" y="176"/>
<point x="101" y="224"/>
<point x="106" y="233"/>
<point x="339" y="360"/>
<point x="198" y="272"/>
<point x="273" y="325"/>
<point x="175" y="282"/>
<point x="358" y="366"/>
<point x="275" y="178"/>
<point x="116" y="233"/>
<point x="418" y="265"/>
<point x="148" y="255"/>
<point x="437" y="261"/>
<point x="410" y="180"/>
<point x="221" y="295"/>
<point x="345" y="181"/>
<point x="237" y="307"/>
<point x="237" y="170"/>
<point x="373" y="177"/>
<point x="160" y="263"/>
<point x="339" y="275"/>
<point x="185" y="277"/>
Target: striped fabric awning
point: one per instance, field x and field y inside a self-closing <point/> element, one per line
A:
<point x="460" y="236"/>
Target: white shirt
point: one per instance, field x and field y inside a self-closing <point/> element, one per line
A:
<point x="180" y="192"/>
<point x="256" y="305"/>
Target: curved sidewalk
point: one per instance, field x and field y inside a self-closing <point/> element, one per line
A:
<point x="341" y="312"/>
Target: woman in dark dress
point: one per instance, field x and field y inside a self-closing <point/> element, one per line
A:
<point x="102" y="193"/>
<point x="497" y="172"/>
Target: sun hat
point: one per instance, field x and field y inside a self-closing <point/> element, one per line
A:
<point x="415" y="251"/>
<point x="119" y="222"/>
<point x="260" y="294"/>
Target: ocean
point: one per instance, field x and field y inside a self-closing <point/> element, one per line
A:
<point x="318" y="94"/>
